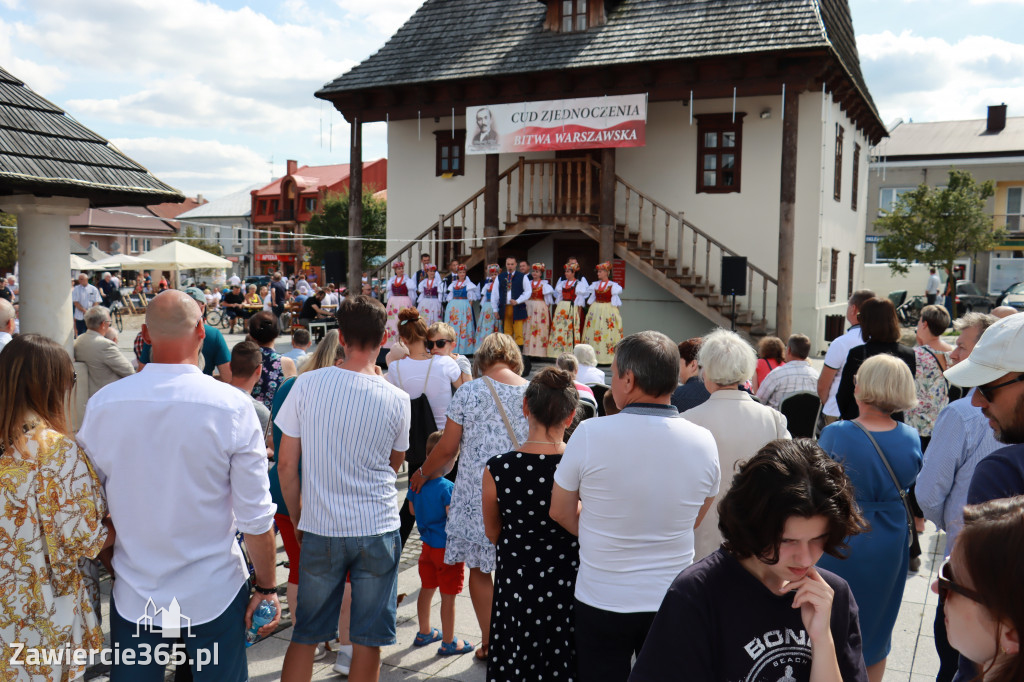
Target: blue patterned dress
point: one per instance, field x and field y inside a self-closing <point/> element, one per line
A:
<point x="460" y="316"/>
<point x="488" y="322"/>
<point x="272" y="377"/>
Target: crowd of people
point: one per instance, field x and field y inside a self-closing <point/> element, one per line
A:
<point x="721" y="549"/>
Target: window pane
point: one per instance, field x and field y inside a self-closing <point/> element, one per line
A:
<point x="1013" y="200"/>
<point x="455" y="164"/>
<point x="567" y="23"/>
<point x="455" y="151"/>
<point x="710" y="162"/>
<point x="709" y="178"/>
<point x="581" y="6"/>
<point x="444" y="165"/>
<point x="581" y="22"/>
<point x="728" y="161"/>
<point x="444" y="152"/>
<point x="1013" y="223"/>
<point x="728" y="139"/>
<point x="728" y="178"/>
<point x="710" y="139"/>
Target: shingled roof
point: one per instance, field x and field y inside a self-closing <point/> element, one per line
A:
<point x="45" y="152"/>
<point x="450" y="40"/>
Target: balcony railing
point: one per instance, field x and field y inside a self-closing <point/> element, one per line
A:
<point x="285" y="214"/>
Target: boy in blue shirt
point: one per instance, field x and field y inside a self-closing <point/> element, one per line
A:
<point x="430" y="507"/>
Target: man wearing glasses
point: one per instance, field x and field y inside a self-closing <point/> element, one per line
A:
<point x="996" y="368"/>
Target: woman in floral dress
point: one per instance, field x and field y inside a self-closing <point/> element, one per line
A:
<point x="459" y="315"/>
<point x="538" y="299"/>
<point x="398" y="293"/>
<point x="603" y="329"/>
<point x="264" y="330"/>
<point x="53" y="520"/>
<point x="429" y="293"/>
<point x="488" y="322"/>
<point x="566" y="330"/>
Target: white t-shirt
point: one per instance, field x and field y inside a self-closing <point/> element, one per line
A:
<point x="639" y="503"/>
<point x="349" y="423"/>
<point x="408" y="375"/>
<point x="835" y="358"/>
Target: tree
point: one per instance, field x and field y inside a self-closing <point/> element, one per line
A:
<point x="8" y="241"/>
<point x="332" y="221"/>
<point x="192" y="238"/>
<point x="937" y="226"/>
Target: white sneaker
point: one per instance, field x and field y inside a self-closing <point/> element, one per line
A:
<point x="319" y="652"/>
<point x="343" y="664"/>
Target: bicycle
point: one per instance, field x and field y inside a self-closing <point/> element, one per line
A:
<point x="116" y="316"/>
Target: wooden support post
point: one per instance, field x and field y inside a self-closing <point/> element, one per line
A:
<point x="787" y="216"/>
<point x="355" y="208"/>
<point x="606" y="219"/>
<point x="491" y="190"/>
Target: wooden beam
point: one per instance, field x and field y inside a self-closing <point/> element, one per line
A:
<point x="491" y="190"/>
<point x="787" y="215"/>
<point x="607" y="211"/>
<point x="355" y="208"/>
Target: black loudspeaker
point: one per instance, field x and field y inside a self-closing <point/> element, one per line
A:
<point x="336" y="267"/>
<point x="734" y="275"/>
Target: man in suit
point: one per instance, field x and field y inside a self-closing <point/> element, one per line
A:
<point x="511" y="285"/>
<point x="422" y="272"/>
<point x="104" y="359"/>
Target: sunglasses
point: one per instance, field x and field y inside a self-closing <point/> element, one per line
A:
<point x="440" y="343"/>
<point x="988" y="392"/>
<point x="947" y="584"/>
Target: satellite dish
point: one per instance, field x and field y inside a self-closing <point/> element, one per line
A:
<point x="115" y="247"/>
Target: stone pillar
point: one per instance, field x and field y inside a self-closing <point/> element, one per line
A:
<point x="606" y="218"/>
<point x="44" y="258"/>
<point x="355" y="209"/>
<point x="490" y="209"/>
<point x="787" y="216"/>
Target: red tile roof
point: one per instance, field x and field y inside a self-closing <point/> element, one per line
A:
<point x="310" y="178"/>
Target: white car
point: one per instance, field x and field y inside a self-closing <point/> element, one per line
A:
<point x="1013" y="296"/>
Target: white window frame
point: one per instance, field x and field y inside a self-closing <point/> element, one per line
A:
<point x="134" y="244"/>
<point x="1015" y="219"/>
<point x="147" y="244"/>
<point x="886" y="203"/>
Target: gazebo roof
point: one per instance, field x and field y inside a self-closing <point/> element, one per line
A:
<point x="45" y="152"/>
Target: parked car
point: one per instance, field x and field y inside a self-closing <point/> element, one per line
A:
<point x="258" y="280"/>
<point x="970" y="298"/>
<point x="1012" y="296"/>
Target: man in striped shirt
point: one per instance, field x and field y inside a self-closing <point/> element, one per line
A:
<point x="352" y="430"/>
<point x="794" y="376"/>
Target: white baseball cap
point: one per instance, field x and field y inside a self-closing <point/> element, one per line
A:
<point x="999" y="351"/>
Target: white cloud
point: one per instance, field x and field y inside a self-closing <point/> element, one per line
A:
<point x="387" y="16"/>
<point x="39" y="77"/>
<point x="194" y="166"/>
<point x="930" y="79"/>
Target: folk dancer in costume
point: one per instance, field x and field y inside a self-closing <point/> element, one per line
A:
<point x="429" y="294"/>
<point x="581" y="306"/>
<point x="488" y="322"/>
<point x="566" y="325"/>
<point x="398" y="293"/>
<point x="538" y="298"/>
<point x="603" y="329"/>
<point x="459" y="313"/>
<point x="504" y="298"/>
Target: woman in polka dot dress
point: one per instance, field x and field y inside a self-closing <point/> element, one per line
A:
<point x="532" y="634"/>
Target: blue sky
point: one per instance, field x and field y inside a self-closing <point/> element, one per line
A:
<point x="213" y="96"/>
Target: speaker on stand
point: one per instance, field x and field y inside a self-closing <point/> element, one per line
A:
<point x="734" y="280"/>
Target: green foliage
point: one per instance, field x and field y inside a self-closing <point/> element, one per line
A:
<point x="192" y="238"/>
<point x="937" y="226"/>
<point x="332" y="221"/>
<point x="8" y="241"/>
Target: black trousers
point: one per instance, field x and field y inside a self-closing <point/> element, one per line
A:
<point x="606" y="642"/>
<point x="949" y="658"/>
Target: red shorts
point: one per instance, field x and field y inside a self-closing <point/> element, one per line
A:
<point x="291" y="545"/>
<point x="434" y="572"/>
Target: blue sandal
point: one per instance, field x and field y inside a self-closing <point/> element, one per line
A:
<point x="423" y="640"/>
<point x="453" y="649"/>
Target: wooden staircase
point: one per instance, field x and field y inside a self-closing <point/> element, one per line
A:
<point x="555" y="195"/>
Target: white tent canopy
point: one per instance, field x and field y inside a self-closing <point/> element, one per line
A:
<point x="120" y="262"/>
<point x="79" y="263"/>
<point x="179" y="256"/>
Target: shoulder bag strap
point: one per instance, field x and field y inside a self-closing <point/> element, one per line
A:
<point x="504" y="416"/>
<point x="892" y="475"/>
<point x="427" y="378"/>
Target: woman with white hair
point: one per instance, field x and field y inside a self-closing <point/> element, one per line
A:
<point x="588" y="372"/>
<point x="882" y="458"/>
<point x="727" y="361"/>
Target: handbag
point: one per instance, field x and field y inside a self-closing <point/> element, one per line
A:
<point x="501" y="410"/>
<point x="421" y="424"/>
<point x="892" y="475"/>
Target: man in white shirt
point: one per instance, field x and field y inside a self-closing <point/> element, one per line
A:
<point x="234" y="280"/>
<point x="640" y="504"/>
<point x="83" y="297"/>
<point x="933" y="287"/>
<point x="351" y="429"/>
<point x="835" y="357"/>
<point x="7" y="316"/>
<point x="794" y="376"/>
<point x="331" y="297"/>
<point x="183" y="464"/>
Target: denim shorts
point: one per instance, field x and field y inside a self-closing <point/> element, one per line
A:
<point x="372" y="562"/>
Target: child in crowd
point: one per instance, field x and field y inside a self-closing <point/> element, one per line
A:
<point x="430" y="506"/>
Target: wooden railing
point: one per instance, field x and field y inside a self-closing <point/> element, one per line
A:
<point x="652" y="227"/>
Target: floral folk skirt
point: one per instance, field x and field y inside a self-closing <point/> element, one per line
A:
<point x="603" y="331"/>
<point x="460" y="316"/>
<point x="565" y="329"/>
<point x="430" y="310"/>
<point x="536" y="329"/>
<point x="488" y="323"/>
<point x="395" y="303"/>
